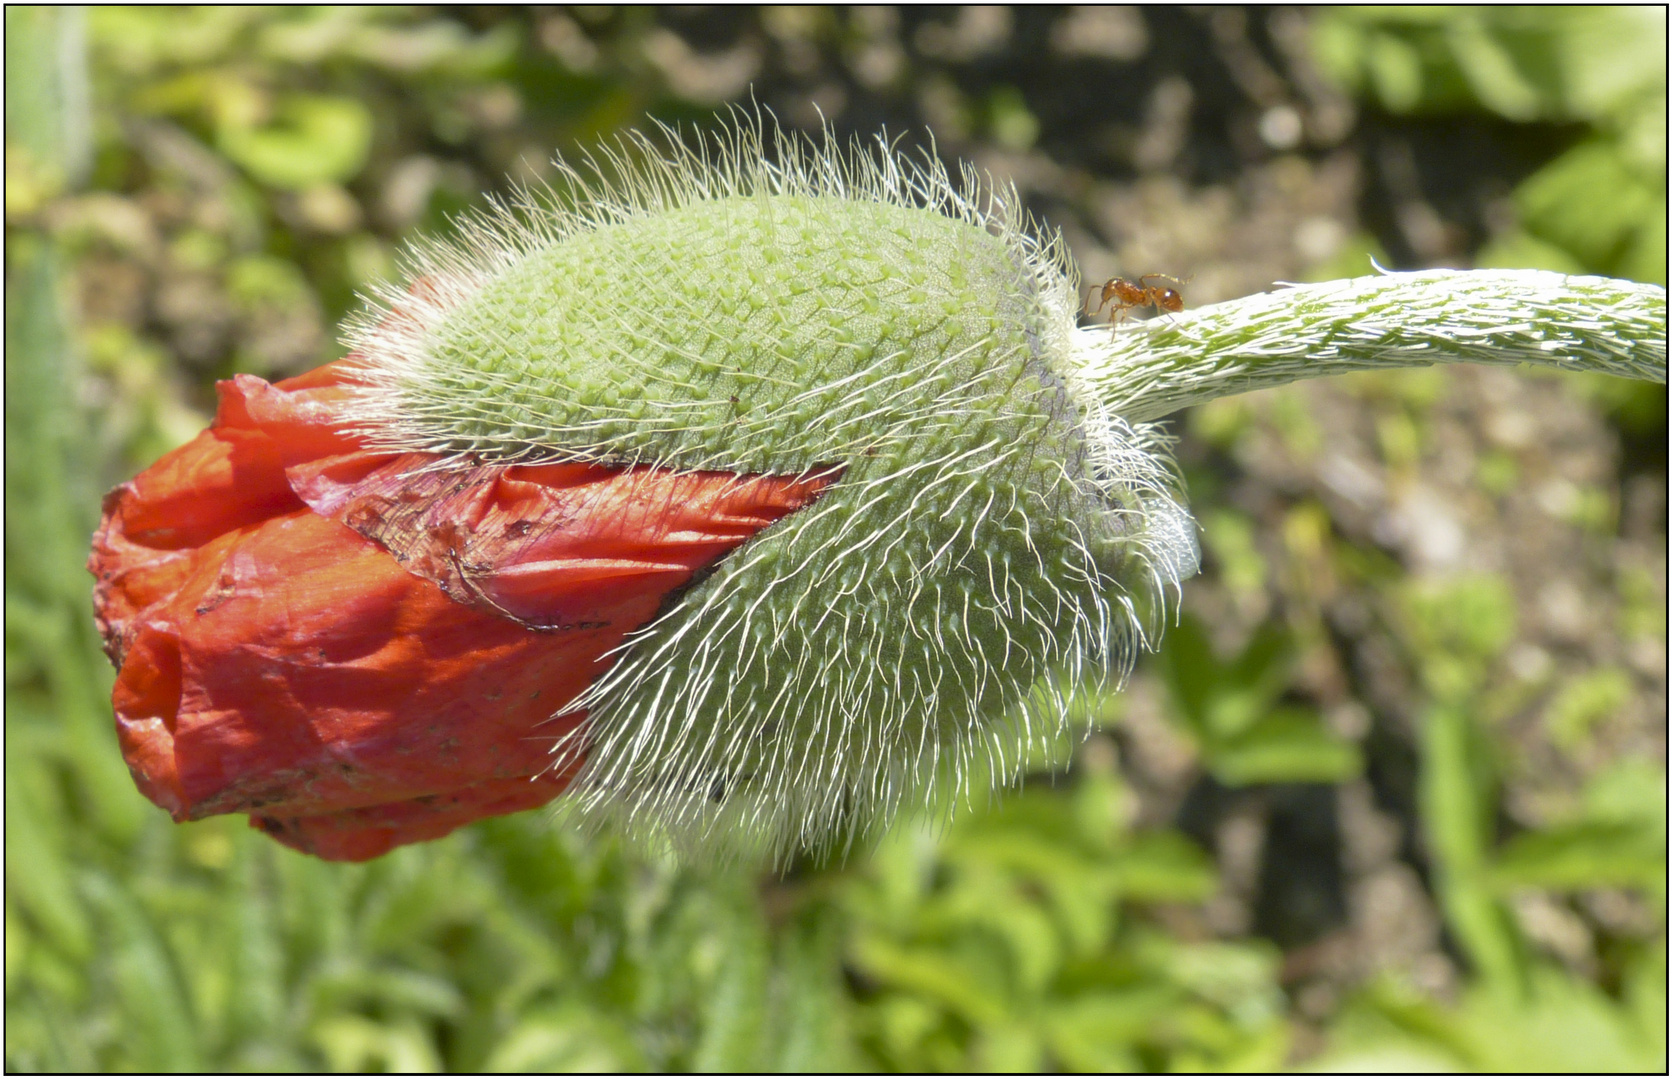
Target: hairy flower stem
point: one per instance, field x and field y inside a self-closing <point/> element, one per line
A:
<point x="1502" y="317"/>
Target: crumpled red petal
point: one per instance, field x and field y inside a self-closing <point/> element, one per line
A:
<point x="362" y="649"/>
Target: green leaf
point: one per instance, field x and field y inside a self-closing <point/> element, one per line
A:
<point x="393" y="989"/>
<point x="1629" y="791"/>
<point x="255" y="959"/>
<point x="914" y="1035"/>
<point x="38" y="879"/>
<point x="734" y="1007"/>
<point x="1565" y="1025"/>
<point x="1289" y="745"/>
<point x="1614" y="58"/>
<point x="159" y="1021"/>
<point x="569" y="1039"/>
<point x="1583" y="702"/>
<point x="1519" y="250"/>
<point x="1216" y="700"/>
<point x="1096" y="1032"/>
<point x="1187" y="665"/>
<point x="1455" y="793"/>
<point x="1646" y="254"/>
<point x="1495" y="68"/>
<point x="1237" y="976"/>
<point x="944" y="978"/>
<point x="1338" y="47"/>
<point x="1644" y="988"/>
<point x="314" y="139"/>
<point x="1032" y="942"/>
<point x="1590" y="203"/>
<point x="1008" y="1048"/>
<point x="1456" y="629"/>
<point x="1589" y="855"/>
<point x="1619" y="837"/>
<point x="1396" y="70"/>
<point x="1230" y="536"/>
<point x="1267" y="1052"/>
<point x="357" y="1044"/>
<point x="812" y="1007"/>
<point x="1474" y="614"/>
<point x="1164" y="867"/>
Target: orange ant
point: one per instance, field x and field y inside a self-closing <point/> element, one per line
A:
<point x="1123" y="296"/>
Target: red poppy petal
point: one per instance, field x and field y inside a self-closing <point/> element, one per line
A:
<point x="316" y="675"/>
<point x="306" y="422"/>
<point x="365" y="649"/>
<point x="547" y="545"/>
<point x="370" y="831"/>
<point x="225" y="479"/>
<point x="345" y="372"/>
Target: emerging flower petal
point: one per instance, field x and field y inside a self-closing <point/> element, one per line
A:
<point x="364" y="649"/>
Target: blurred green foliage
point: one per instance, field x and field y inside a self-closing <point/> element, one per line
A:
<point x="192" y="192"/>
<point x="1601" y="207"/>
<point x="1001" y="946"/>
<point x="1243" y="733"/>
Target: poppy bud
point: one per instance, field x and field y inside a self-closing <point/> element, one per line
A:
<point x="363" y="649"/>
<point x="742" y="499"/>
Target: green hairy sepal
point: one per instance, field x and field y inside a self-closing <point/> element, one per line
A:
<point x="1006" y="528"/>
<point x="992" y="525"/>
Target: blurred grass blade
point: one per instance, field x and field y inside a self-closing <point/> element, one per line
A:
<point x="255" y="955"/>
<point x="1454" y="810"/>
<point x="809" y="1005"/>
<point x="147" y="989"/>
<point x="735" y="1013"/>
<point x="37" y="878"/>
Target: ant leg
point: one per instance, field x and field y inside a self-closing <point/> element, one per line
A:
<point x="1118" y="315"/>
<point x="1093" y="313"/>
<point x="1168" y="315"/>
